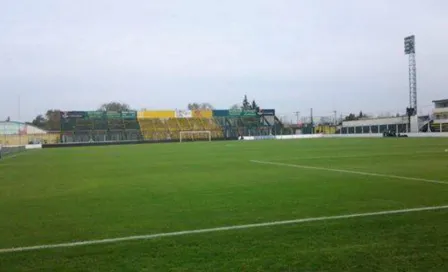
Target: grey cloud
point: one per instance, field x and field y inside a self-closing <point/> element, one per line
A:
<point x="289" y="55"/>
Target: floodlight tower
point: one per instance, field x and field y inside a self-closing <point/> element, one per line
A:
<point x="409" y="49"/>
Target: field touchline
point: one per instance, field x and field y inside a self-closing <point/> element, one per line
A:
<point x="227" y="228"/>
<point x="370" y="155"/>
<point x="349" y="171"/>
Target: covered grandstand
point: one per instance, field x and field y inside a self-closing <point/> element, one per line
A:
<point x="165" y="125"/>
<point x="99" y="126"/>
<point x="437" y="122"/>
<point x="376" y="125"/>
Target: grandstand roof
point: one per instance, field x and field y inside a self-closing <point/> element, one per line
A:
<point x="440" y="101"/>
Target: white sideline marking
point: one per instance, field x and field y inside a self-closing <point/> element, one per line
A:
<point x="371" y="155"/>
<point x="187" y="232"/>
<point x="350" y="172"/>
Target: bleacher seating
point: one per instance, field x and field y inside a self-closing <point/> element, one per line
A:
<point x="327" y="129"/>
<point x="163" y="129"/>
<point x="165" y="125"/>
<point x="437" y="127"/>
<point x="115" y="124"/>
<point x="131" y="124"/>
<point x="83" y="125"/>
<point x="173" y="128"/>
<point x="153" y="129"/>
<point x="184" y="124"/>
<point x="213" y="126"/>
<point x="100" y="125"/>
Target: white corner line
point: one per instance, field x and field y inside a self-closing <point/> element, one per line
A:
<point x="236" y="227"/>
<point x="349" y="171"/>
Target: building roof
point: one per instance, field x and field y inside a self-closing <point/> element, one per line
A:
<point x="14" y="127"/>
<point x="440" y="101"/>
<point x="12" y="122"/>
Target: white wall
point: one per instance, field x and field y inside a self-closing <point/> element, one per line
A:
<point x="33" y="146"/>
<point x="438" y="121"/>
<point x="440" y="110"/>
<point x="376" y="122"/>
<point x="34" y="130"/>
<point x="373" y="135"/>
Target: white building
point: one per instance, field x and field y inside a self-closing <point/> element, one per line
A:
<point x="18" y="128"/>
<point x="440" y="116"/>
<point x="376" y="125"/>
<point x="17" y="133"/>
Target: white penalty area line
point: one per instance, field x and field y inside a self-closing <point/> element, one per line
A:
<point x="349" y="171"/>
<point x="5" y="157"/>
<point x="228" y="228"/>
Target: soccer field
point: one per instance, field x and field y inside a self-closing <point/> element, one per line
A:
<point x="61" y="196"/>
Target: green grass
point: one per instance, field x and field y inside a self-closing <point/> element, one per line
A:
<point x="63" y="195"/>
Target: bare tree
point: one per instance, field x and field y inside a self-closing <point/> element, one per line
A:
<point x="200" y="106"/>
<point x="114" y="106"/>
<point x="235" y="107"/>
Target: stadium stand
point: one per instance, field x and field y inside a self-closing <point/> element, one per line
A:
<point x="325" y="129"/>
<point x="210" y="124"/>
<point x="98" y="126"/>
<point x="375" y="125"/>
<point x="167" y="125"/>
<point x="173" y="127"/>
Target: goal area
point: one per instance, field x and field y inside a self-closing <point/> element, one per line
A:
<point x="189" y="136"/>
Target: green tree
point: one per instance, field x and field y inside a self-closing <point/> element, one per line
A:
<point x="53" y="120"/>
<point x="254" y="106"/>
<point x="351" y="117"/>
<point x="39" y="121"/>
<point x="246" y="104"/>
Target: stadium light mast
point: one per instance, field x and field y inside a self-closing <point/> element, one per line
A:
<point x="409" y="49"/>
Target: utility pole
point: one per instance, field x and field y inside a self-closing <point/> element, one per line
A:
<point x="297" y="113"/>
<point x="335" y="118"/>
<point x="20" y="126"/>
<point x="18" y="115"/>
<point x="312" y="121"/>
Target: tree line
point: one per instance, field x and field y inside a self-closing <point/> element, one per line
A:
<point x="361" y="115"/>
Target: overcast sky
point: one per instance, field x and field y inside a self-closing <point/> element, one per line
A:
<point x="344" y="55"/>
